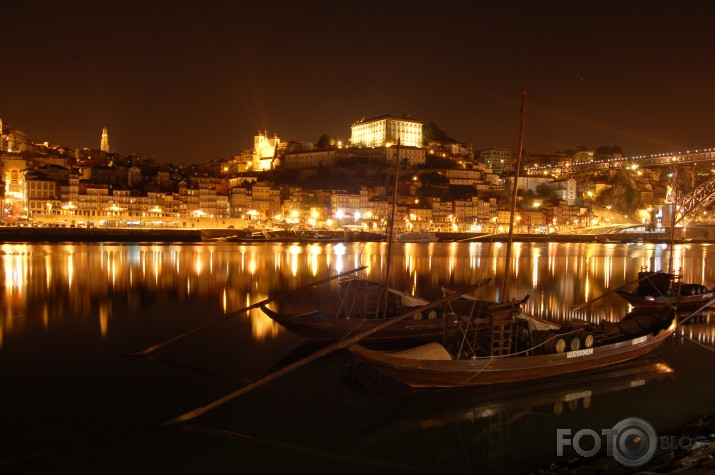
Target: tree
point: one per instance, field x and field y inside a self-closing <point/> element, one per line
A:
<point x="623" y="194"/>
<point x="325" y="141"/>
<point x="608" y="150"/>
<point x="433" y="133"/>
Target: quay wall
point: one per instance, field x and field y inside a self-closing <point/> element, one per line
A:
<point x="12" y="234"/>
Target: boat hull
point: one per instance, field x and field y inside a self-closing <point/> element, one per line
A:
<point x="500" y="370"/>
<point x="322" y="326"/>
<point x="680" y="302"/>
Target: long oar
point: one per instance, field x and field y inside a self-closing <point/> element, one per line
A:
<point x="582" y="305"/>
<point x="158" y="346"/>
<point x="328" y="349"/>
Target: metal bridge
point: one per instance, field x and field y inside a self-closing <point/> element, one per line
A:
<point x="701" y="197"/>
<point x="661" y="159"/>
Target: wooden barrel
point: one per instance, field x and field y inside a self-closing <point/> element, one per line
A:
<point x="574" y="343"/>
<point x="587" y="340"/>
<point x="549" y="341"/>
<point x="523" y="336"/>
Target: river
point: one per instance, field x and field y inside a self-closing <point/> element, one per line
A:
<point x="71" y="400"/>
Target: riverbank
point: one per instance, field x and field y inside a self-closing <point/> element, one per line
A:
<point x="13" y="234"/>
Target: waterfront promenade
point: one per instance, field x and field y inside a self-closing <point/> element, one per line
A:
<point x="13" y="234"/>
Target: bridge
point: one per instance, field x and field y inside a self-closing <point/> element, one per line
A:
<point x="700" y="197"/>
<point x="565" y="169"/>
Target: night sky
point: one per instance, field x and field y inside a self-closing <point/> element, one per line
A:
<point x="187" y="82"/>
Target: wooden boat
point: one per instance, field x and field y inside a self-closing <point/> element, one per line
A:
<point x="320" y="236"/>
<point x="417" y="236"/>
<point x="663" y="290"/>
<point x="365" y="304"/>
<point x="255" y="235"/>
<point x="432" y="365"/>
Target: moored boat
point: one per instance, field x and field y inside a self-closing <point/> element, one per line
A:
<point x="255" y="235"/>
<point x="663" y="290"/>
<point x="365" y="304"/>
<point x="432" y="365"/>
<point x="417" y="236"/>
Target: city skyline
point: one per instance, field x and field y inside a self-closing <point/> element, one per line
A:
<point x="187" y="85"/>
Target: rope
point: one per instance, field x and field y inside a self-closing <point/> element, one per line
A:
<point x="508" y="355"/>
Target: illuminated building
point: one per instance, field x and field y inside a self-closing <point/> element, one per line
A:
<point x="40" y="192"/>
<point x="264" y="151"/>
<point x="386" y="130"/>
<point x="497" y="159"/>
<point x="104" y="144"/>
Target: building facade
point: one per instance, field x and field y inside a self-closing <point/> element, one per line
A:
<point x="384" y="130"/>
<point x="497" y="159"/>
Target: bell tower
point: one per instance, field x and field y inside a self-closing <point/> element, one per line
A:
<point x="104" y="144"/>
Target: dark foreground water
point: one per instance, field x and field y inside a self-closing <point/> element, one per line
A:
<point x="71" y="403"/>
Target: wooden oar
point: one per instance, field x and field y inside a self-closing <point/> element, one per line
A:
<point x="328" y="349"/>
<point x="582" y="305"/>
<point x="158" y="346"/>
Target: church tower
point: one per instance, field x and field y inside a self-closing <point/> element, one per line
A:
<point x="3" y="145"/>
<point x="104" y="144"/>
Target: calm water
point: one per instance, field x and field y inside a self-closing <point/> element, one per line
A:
<point x="69" y="402"/>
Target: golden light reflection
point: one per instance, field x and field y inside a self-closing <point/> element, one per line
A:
<point x="294" y="251"/>
<point x="103" y="318"/>
<point x="313" y="259"/>
<point x="15" y="273"/>
<point x="607" y="270"/>
<point x="252" y="264"/>
<point x="535" y="268"/>
<point x="198" y="265"/>
<point x="224" y="301"/>
<point x="230" y="274"/>
<point x="48" y="270"/>
<point x="587" y="288"/>
<point x="262" y="327"/>
<point x="409" y="263"/>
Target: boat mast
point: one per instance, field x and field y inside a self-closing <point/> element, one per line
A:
<point x="517" y="167"/>
<point x="673" y="199"/>
<point x="391" y="226"/>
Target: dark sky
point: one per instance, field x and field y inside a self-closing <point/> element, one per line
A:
<point x="189" y="81"/>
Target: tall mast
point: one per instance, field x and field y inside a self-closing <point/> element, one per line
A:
<point x="673" y="199"/>
<point x="391" y="226"/>
<point x="517" y="166"/>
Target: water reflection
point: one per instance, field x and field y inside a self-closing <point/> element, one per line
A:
<point x="500" y="429"/>
<point x="67" y="311"/>
<point x="57" y="282"/>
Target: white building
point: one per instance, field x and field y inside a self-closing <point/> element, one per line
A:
<point x="384" y="130"/>
<point x="264" y="150"/>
